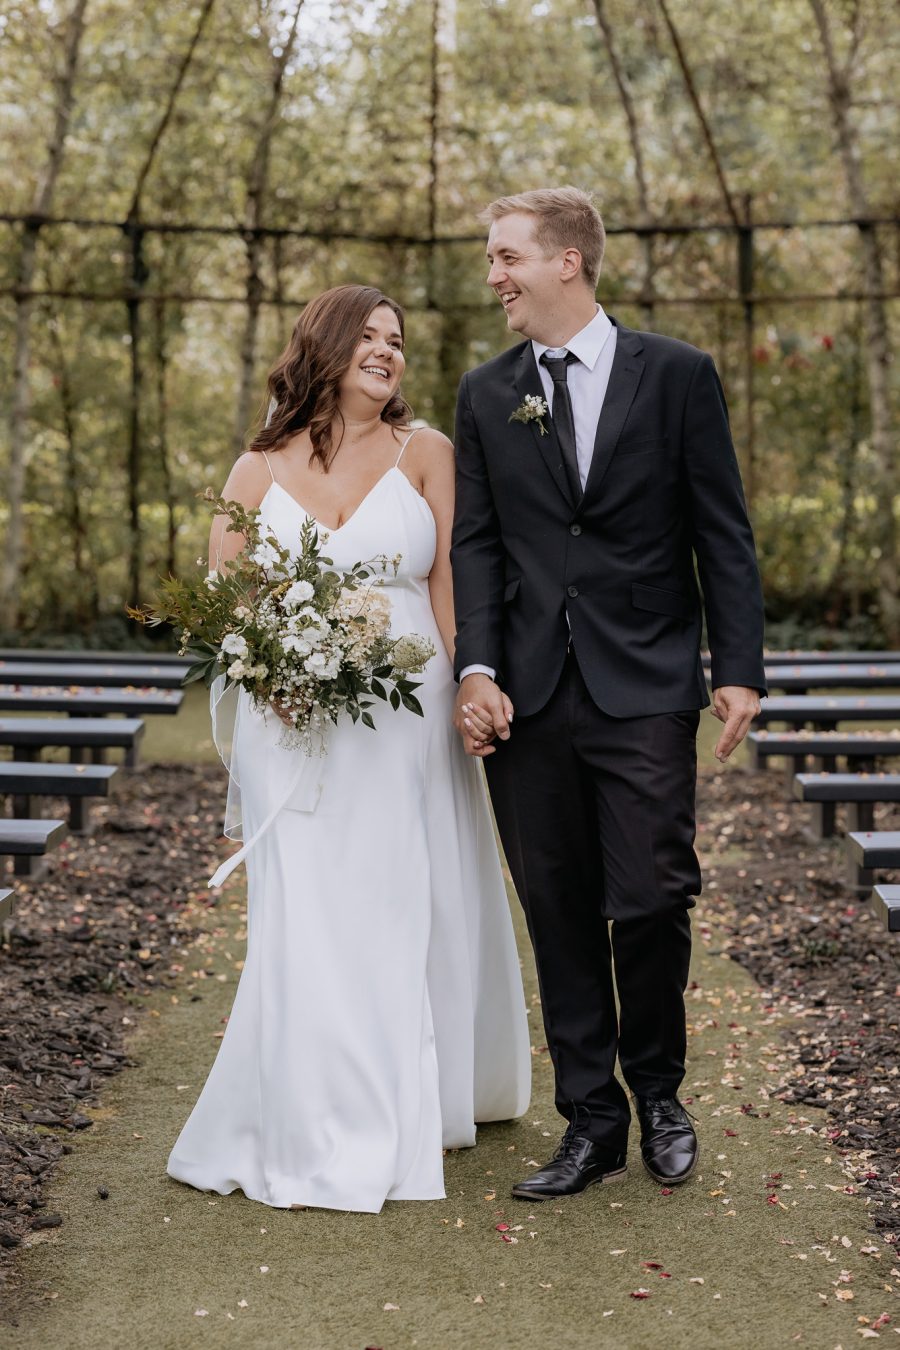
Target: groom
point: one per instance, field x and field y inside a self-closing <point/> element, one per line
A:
<point x="594" y="466"/>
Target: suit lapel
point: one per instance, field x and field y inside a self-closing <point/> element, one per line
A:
<point x="625" y="376"/>
<point x="528" y="381"/>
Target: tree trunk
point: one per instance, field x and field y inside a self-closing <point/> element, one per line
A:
<point x="877" y="347"/>
<point x="21" y="393"/>
<point x="162" y="431"/>
<point x="647" y="241"/>
<point x="86" y="598"/>
<point x="257" y="188"/>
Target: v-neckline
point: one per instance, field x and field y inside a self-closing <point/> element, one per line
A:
<point x="334" y="529"/>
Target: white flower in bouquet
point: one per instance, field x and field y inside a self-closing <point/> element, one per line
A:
<point x="322" y="666"/>
<point x="297" y="594"/>
<point x="234" y="644"/>
<point x="410" y="653"/>
<point x="265" y="555"/>
<point x="237" y="670"/>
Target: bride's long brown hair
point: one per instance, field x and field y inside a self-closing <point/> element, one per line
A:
<point x="305" y="379"/>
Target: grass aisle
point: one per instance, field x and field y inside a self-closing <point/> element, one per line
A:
<point x="764" y="1248"/>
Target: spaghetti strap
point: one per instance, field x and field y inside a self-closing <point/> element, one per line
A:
<point x="269" y="466"/>
<point x="405" y="444"/>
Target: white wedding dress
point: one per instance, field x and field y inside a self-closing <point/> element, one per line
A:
<point x="380" y="1011"/>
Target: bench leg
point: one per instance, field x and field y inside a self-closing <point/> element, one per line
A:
<point x="27" y="865"/>
<point x="793" y="764"/>
<point x="862" y="879"/>
<point x="131" y="756"/>
<point x="824" y="817"/>
<point x="98" y="754"/>
<point x="861" y="816"/>
<point x="76" y="754"/>
<point x="22" y="810"/>
<point x="79" y="815"/>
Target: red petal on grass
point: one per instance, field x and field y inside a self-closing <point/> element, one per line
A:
<point x="639" y="1293"/>
<point x="667" y="1190"/>
<point x="771" y="1199"/>
<point x="731" y="1134"/>
<point x="502" y="1227"/>
<point x="652" y="1265"/>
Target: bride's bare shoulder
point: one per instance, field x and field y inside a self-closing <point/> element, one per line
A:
<point x="249" y="480"/>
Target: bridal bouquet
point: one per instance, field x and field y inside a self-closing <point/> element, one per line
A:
<point x="295" y="632"/>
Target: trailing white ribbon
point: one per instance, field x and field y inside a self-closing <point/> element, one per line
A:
<point x="302" y="794"/>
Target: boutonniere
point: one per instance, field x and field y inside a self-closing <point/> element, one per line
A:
<point x="531" y="409"/>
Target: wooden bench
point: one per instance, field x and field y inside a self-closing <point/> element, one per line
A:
<point x="23" y="780"/>
<point x="871" y="849"/>
<point x="825" y="711"/>
<point x="861" y="749"/>
<point x="30" y="735"/>
<point x="845" y="675"/>
<point x="92" y="674"/>
<point x="886" y="904"/>
<point x="91" y="702"/>
<point x="799" y="658"/>
<point x="859" y="791"/>
<point x="6" y="904"/>
<point x="53" y="655"/>
<point x="27" y="841"/>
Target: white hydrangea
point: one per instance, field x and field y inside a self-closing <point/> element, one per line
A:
<point x="297" y="594"/>
<point x="322" y="666"/>
<point x="265" y="554"/>
<point x="233" y="644"/>
<point x="297" y="642"/>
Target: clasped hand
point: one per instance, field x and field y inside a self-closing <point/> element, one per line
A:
<point x="483" y="714"/>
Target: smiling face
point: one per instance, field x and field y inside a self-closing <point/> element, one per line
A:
<point x="377" y="365"/>
<point x="535" y="288"/>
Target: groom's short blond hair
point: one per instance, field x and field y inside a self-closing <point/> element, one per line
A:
<point x="565" y="217"/>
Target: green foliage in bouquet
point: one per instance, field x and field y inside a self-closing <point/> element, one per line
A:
<point x="293" y="630"/>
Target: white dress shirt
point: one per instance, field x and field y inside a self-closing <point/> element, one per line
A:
<point x="588" y="378"/>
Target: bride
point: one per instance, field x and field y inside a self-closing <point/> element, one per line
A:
<point x="379" y="1013"/>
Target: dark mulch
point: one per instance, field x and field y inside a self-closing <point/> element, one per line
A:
<point x="87" y="939"/>
<point x="797" y="925"/>
<point x="92" y="935"/>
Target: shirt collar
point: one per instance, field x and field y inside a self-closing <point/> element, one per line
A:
<point x="587" y="344"/>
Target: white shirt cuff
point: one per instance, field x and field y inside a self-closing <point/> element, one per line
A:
<point x="477" y="670"/>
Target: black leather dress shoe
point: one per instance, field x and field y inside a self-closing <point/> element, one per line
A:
<point x="669" y="1145"/>
<point x="576" y="1164"/>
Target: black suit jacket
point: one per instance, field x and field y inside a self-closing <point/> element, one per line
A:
<point x="663" y="488"/>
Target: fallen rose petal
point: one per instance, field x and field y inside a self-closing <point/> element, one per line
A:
<point x="697" y="1279"/>
<point x="881" y="1321"/>
<point x="502" y="1227"/>
<point x="667" y="1190"/>
<point x="392" y="1307"/>
<point x="478" y="1299"/>
<point x="652" y="1265"/>
<point x="201" y="1312"/>
<point x="639" y="1293"/>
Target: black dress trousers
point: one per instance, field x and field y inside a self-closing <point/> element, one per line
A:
<point x="596" y="816"/>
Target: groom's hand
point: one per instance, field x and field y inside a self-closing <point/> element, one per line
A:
<point x="736" y="707"/>
<point x="483" y="713"/>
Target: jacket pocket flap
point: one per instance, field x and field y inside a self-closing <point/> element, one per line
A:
<point x="659" y="601"/>
<point x="511" y="588"/>
<point x="642" y="446"/>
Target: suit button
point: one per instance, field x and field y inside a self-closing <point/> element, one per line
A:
<point x="572" y="591"/>
<point x="575" y="529"/>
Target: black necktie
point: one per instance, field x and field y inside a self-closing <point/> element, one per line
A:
<point x="563" y="418"/>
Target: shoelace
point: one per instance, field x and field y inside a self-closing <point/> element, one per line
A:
<point x="566" y="1142"/>
<point x="668" y="1106"/>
